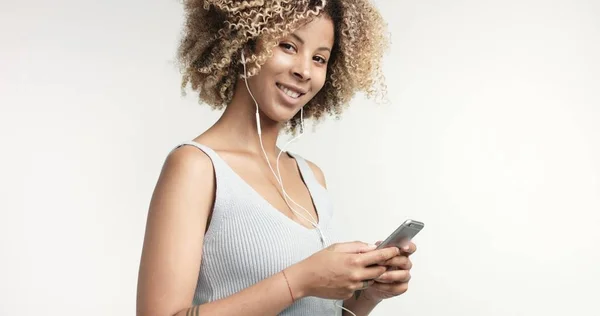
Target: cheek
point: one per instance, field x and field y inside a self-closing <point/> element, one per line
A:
<point x="258" y="87"/>
<point x="319" y="82"/>
<point x="279" y="61"/>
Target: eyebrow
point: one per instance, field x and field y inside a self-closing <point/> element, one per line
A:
<point x="299" y="39"/>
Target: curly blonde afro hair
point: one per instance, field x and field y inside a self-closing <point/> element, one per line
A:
<point x="217" y="31"/>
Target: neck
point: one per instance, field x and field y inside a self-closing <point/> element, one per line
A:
<point x="238" y="125"/>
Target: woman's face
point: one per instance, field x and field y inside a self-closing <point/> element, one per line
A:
<point x="296" y="71"/>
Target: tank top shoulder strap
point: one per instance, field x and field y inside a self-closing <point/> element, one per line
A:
<point x="214" y="157"/>
<point x="305" y="170"/>
<point x="207" y="150"/>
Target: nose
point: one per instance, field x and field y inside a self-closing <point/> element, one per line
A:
<point x="302" y="69"/>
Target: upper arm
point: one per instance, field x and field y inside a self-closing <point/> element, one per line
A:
<point x="318" y="173"/>
<point x="177" y="218"/>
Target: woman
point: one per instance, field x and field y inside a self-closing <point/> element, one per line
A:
<point x="237" y="226"/>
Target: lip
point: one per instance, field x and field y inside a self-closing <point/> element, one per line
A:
<point x="286" y="98"/>
<point x="293" y="88"/>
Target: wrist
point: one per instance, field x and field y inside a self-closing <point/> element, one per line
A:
<point x="368" y="298"/>
<point x="363" y="305"/>
<point x="297" y="281"/>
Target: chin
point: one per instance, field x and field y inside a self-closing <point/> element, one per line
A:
<point x="280" y="113"/>
<point x="282" y="117"/>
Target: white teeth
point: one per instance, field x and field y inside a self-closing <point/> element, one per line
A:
<point x="289" y="92"/>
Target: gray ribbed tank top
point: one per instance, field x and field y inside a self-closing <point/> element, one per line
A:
<point x="249" y="240"/>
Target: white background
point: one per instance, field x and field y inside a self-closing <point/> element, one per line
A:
<point x="491" y="138"/>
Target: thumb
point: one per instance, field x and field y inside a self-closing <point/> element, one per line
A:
<point x="354" y="247"/>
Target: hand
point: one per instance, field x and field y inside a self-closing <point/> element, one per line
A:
<point x="395" y="280"/>
<point x="337" y="271"/>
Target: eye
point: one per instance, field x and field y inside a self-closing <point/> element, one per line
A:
<point x="320" y="59"/>
<point x="287" y="46"/>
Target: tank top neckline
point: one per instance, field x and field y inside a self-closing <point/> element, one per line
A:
<point x="306" y="174"/>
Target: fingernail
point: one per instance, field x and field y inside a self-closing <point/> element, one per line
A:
<point x="406" y="247"/>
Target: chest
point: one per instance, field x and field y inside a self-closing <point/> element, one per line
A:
<point x="292" y="197"/>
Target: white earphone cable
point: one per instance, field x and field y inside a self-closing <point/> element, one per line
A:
<point x="278" y="174"/>
<point x="286" y="196"/>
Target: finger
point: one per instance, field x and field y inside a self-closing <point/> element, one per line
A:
<point x="392" y="288"/>
<point x="395" y="276"/>
<point x="399" y="262"/>
<point x="383" y="281"/>
<point x="409" y="248"/>
<point x="378" y="242"/>
<point x="378" y="256"/>
<point x="353" y="247"/>
<point x="371" y="273"/>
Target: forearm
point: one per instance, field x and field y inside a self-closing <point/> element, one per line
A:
<point x="268" y="297"/>
<point x="362" y="306"/>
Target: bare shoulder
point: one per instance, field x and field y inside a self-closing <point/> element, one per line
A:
<point x="186" y="173"/>
<point x="318" y="172"/>
<point x="188" y="161"/>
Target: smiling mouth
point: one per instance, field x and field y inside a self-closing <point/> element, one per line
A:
<point x="290" y="93"/>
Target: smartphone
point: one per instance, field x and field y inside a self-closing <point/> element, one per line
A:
<point x="404" y="233"/>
